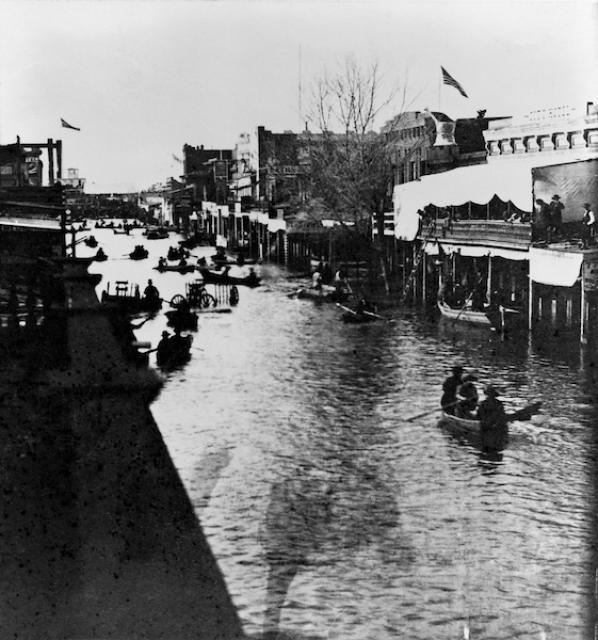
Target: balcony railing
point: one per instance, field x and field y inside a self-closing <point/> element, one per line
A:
<point x="495" y="233"/>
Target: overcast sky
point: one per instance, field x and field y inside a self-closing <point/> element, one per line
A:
<point x="142" y="78"/>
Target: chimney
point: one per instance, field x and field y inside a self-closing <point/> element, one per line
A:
<point x="590" y="109"/>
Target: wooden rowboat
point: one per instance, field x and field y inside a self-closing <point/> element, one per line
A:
<point x="464" y="314"/>
<point x="175" y="355"/>
<point x="223" y="278"/>
<point x="186" y="269"/>
<point x="470" y="429"/>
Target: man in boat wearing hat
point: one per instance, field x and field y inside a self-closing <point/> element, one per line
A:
<point x="494" y="429"/>
<point x="467" y="395"/>
<point x="449" y="390"/>
<point x="164" y="345"/>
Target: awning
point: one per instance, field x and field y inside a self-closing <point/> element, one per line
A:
<point x="476" y="251"/>
<point x="556" y="268"/>
<point x="509" y="179"/>
<point x="276" y="224"/>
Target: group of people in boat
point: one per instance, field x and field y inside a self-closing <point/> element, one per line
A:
<point x="460" y="398"/>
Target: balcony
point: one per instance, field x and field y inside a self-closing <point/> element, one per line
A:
<point x="485" y="233"/>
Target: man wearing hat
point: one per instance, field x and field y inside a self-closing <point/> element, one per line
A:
<point x="467" y="394"/>
<point x="556" y="217"/>
<point x="494" y="429"/>
<point x="589" y="226"/>
<point x="164" y="345"/>
<point x="449" y="390"/>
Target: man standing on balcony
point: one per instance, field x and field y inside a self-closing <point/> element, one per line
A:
<point x="589" y="226"/>
<point x="542" y="221"/>
<point x="556" y="216"/>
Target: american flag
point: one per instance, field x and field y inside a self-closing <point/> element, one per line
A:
<point x="447" y="78"/>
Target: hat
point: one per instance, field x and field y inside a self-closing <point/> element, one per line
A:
<point x="490" y="391"/>
<point x="555" y="197"/>
<point x="165" y="333"/>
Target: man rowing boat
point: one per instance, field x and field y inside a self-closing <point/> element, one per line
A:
<point x="494" y="427"/>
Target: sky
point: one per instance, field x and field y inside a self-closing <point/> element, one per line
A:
<point x="142" y="78"/>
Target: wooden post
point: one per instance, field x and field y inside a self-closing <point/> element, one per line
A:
<point x="50" y="162"/>
<point x="489" y="280"/>
<point x="59" y="159"/>
<point x="423" y="276"/>
<point x="414" y="270"/>
<point x="530" y="306"/>
<point x="582" y="327"/>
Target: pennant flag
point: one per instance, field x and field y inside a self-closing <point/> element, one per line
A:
<point x="177" y="159"/>
<point x="447" y="78"/>
<point x="66" y="125"/>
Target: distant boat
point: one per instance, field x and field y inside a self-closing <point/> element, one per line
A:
<point x="156" y="233"/>
<point x="218" y="277"/>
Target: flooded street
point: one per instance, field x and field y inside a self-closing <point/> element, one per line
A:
<point x="333" y="516"/>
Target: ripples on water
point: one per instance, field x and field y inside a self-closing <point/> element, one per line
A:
<point x="331" y="515"/>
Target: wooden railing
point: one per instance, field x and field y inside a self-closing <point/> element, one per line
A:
<point x="496" y="233"/>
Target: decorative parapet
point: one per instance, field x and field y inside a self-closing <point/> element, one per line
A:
<point x="560" y="141"/>
<point x="577" y="140"/>
<point x="546" y="143"/>
<point x="493" y="148"/>
<point x="518" y="146"/>
<point x="505" y="147"/>
<point x="532" y="144"/>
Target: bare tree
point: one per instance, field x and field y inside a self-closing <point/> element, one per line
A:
<point x="351" y="163"/>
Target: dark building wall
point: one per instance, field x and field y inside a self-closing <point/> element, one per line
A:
<point x="281" y="167"/>
<point x="208" y="171"/>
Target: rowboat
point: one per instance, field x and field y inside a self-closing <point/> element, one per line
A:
<point x="100" y="256"/>
<point x="177" y="353"/>
<point x="469" y="429"/>
<point x="464" y="314"/>
<point x="132" y="304"/>
<point x="139" y="253"/>
<point x="215" y="277"/>
<point x="326" y="293"/>
<point x="182" y="320"/>
<point x="186" y="269"/>
<point x="156" y="233"/>
<point x="358" y="317"/>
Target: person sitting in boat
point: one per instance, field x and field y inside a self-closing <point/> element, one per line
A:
<point x="494" y="429"/>
<point x="449" y="390"/>
<point x="150" y="292"/>
<point x="100" y="254"/>
<point x="340" y="281"/>
<point x="219" y="258"/>
<point x="316" y="280"/>
<point x="177" y="343"/>
<point x="164" y="345"/>
<point x="252" y="277"/>
<point x="467" y="395"/>
<point x="182" y="262"/>
<point x="161" y="262"/>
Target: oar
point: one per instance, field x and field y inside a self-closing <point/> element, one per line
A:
<point x="427" y="413"/>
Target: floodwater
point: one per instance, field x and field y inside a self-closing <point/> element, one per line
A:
<point x="333" y="516"/>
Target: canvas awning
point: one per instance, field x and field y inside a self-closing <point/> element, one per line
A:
<point x="472" y="251"/>
<point x="509" y="179"/>
<point x="555" y="268"/>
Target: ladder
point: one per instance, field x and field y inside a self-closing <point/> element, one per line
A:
<point x="418" y="258"/>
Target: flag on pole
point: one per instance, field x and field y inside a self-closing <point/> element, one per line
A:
<point x="66" y="125"/>
<point x="447" y="78"/>
<point x="176" y="159"/>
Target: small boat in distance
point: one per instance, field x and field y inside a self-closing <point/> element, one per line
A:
<point x="464" y="314"/>
<point x="139" y="253"/>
